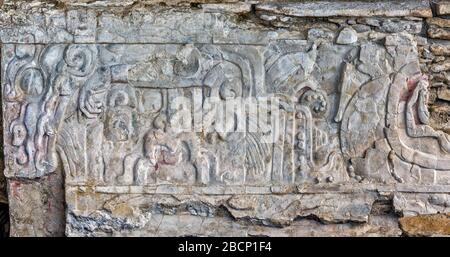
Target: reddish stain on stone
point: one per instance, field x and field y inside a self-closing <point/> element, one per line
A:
<point x="15" y="187"/>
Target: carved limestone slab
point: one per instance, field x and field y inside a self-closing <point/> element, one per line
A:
<point x="189" y="116"/>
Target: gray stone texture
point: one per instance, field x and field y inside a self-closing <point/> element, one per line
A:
<point x="90" y="140"/>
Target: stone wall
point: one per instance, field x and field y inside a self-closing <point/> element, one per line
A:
<point x="112" y="124"/>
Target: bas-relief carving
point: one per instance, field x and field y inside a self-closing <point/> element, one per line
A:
<point x="104" y="113"/>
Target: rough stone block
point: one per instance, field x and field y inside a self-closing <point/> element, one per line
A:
<point x="438" y="28"/>
<point x="426" y="225"/>
<point x="442" y="7"/>
<point x="418" y="8"/>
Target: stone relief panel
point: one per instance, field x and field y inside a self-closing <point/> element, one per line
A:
<point x="203" y="120"/>
<point x="106" y="112"/>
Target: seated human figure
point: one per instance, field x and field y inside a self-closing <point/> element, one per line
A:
<point x="164" y="160"/>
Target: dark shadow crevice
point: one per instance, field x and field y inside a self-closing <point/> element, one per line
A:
<point x="4" y="220"/>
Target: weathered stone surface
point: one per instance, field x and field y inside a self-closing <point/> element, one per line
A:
<point x="438" y="49"/>
<point x="189" y="225"/>
<point x="439" y="67"/>
<point x="426" y="225"/>
<point x="127" y="3"/>
<point x="240" y="8"/>
<point x="37" y="207"/>
<point x="412" y="204"/>
<point x="247" y="118"/>
<point x="138" y="212"/>
<point x="438" y="28"/>
<point x="444" y="94"/>
<point x="347" y="36"/>
<point x="419" y="8"/>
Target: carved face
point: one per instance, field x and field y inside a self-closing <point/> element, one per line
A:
<point x="119" y="125"/>
<point x="152" y="100"/>
<point x="187" y="63"/>
<point x="19" y="133"/>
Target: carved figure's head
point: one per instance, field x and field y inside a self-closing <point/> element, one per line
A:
<point x="19" y="133"/>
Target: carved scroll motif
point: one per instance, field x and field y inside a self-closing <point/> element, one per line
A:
<point x="415" y="125"/>
<point x="41" y="89"/>
<point x="111" y="119"/>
